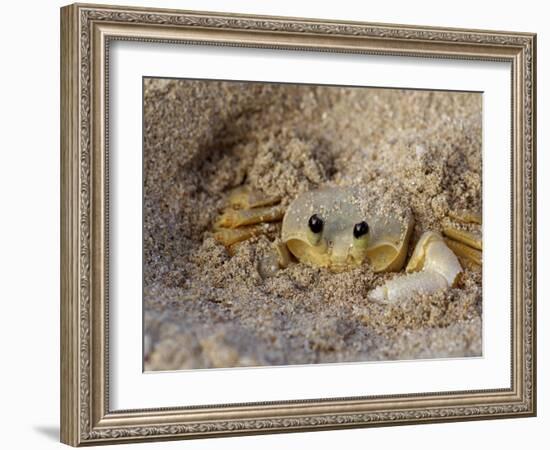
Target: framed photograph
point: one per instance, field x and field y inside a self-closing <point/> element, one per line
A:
<point x="275" y="224"/>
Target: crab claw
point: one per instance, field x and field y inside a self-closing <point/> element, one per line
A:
<point x="434" y="266"/>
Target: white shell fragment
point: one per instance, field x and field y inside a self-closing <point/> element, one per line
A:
<point x="435" y="267"/>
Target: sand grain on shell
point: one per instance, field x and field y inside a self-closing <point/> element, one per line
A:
<point x="206" y="308"/>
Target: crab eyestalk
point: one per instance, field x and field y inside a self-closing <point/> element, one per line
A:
<point x="315" y="230"/>
<point x="361" y="235"/>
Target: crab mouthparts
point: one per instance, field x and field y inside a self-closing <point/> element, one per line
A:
<point x="339" y="255"/>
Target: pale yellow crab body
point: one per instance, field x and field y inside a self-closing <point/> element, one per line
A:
<point x="336" y="247"/>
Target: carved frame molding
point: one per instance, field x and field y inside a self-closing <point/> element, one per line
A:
<point x="86" y="31"/>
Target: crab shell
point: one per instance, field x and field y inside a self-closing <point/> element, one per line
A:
<point x="385" y="245"/>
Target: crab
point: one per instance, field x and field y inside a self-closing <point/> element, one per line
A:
<point x="341" y="228"/>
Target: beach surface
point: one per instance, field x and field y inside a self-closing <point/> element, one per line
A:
<point x="209" y="307"/>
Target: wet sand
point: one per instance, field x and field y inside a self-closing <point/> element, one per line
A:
<point x="206" y="307"/>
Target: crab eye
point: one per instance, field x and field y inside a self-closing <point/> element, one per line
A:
<point x="360" y="229"/>
<point x="315" y="224"/>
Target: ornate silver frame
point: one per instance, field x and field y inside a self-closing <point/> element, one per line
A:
<point x="86" y="31"/>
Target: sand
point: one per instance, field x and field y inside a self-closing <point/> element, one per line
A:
<point x="206" y="307"/>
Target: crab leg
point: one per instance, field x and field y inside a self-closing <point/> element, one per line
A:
<point x="283" y="255"/>
<point x="466" y="216"/>
<point x="467" y="245"/>
<point x="464" y="251"/>
<point x="435" y="267"/>
<point x="279" y="258"/>
<point x="234" y="218"/>
<point x="466" y="237"/>
<point x="244" y="198"/>
<point x="230" y="236"/>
